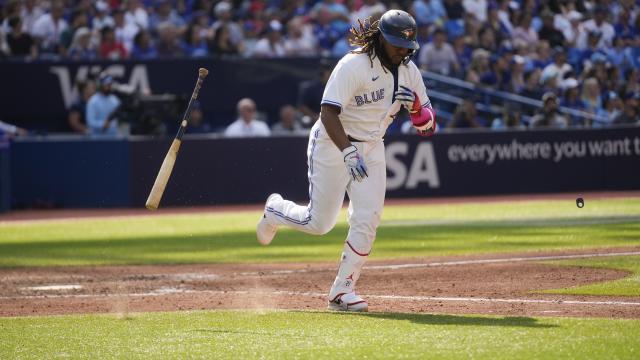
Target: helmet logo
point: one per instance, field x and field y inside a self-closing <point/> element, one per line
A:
<point x="408" y="34"/>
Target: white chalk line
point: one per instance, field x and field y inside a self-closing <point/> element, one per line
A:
<point x="170" y="291"/>
<point x="451" y="263"/>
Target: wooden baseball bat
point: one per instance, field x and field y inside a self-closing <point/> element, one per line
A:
<point x="153" y="201"/>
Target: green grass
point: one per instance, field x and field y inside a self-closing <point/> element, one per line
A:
<point x="320" y="335"/>
<point x="628" y="286"/>
<point x="407" y="231"/>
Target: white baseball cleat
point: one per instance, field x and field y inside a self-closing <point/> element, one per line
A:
<point x="265" y="232"/>
<point x="348" y="302"/>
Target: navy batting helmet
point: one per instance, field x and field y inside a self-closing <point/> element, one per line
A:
<point x="400" y="29"/>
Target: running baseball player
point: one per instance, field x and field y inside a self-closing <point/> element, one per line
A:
<point x="346" y="149"/>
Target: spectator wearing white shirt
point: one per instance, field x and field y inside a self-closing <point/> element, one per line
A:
<point x="48" y="27"/>
<point x="102" y="18"/>
<point x="598" y="24"/>
<point x="271" y="45"/>
<point x="477" y="8"/>
<point x="300" y="40"/>
<point x="247" y="125"/>
<point x="137" y="14"/>
<point x="30" y="12"/>
<point x="125" y="31"/>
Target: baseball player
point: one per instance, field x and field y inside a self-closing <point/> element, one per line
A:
<point x="346" y="150"/>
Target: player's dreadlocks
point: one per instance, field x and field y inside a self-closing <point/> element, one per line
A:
<point x="367" y="38"/>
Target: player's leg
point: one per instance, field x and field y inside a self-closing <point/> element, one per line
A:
<point x="327" y="183"/>
<point x="365" y="209"/>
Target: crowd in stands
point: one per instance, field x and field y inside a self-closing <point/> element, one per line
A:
<point x="581" y="55"/>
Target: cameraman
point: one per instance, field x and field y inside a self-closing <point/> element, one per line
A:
<point x="101" y="109"/>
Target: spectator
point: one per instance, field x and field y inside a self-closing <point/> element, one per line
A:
<point x="247" y="125"/>
<point x="48" y="27"/>
<point x="549" y="117"/>
<point x="136" y="14"/>
<point x="465" y="115"/>
<point x="517" y="74"/>
<point x="438" y="56"/>
<point x="524" y="31"/>
<point x="164" y="13"/>
<point x="288" y="124"/>
<point x="102" y="17"/>
<point x="300" y="40"/>
<point x="499" y="76"/>
<point x="463" y="53"/>
<point x="598" y="24"/>
<point x="487" y="39"/>
<point x="79" y="19"/>
<point x="76" y="118"/>
<point x="548" y="30"/>
<point x="81" y="47"/>
<point x="510" y="119"/>
<point x="479" y="66"/>
<point x="532" y="84"/>
<point x="476" y="8"/>
<point x="310" y="93"/>
<point x="29" y="13"/>
<point x="168" y="41"/>
<point x="616" y="54"/>
<point x="195" y="45"/>
<point x="542" y="56"/>
<point x="125" y="30"/>
<point x="572" y="28"/>
<point x="559" y="66"/>
<point x="143" y="48"/>
<point x="197" y="122"/>
<point x="110" y="48"/>
<point x="630" y="114"/>
<point x="591" y="96"/>
<point x="221" y="43"/>
<point x="571" y="99"/>
<point x="272" y="45"/>
<point x="20" y="43"/>
<point x="101" y="109"/>
<point x="613" y="107"/>
<point x="223" y="13"/>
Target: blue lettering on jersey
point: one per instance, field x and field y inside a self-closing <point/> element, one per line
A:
<point x="369" y="98"/>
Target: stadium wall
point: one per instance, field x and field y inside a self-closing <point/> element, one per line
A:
<point x="211" y="171"/>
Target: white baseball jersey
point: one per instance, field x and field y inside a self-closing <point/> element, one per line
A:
<point x="364" y="93"/>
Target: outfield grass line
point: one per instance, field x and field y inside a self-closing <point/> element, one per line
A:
<point x="169" y="291"/>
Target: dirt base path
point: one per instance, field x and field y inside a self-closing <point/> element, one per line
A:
<point x="504" y="284"/>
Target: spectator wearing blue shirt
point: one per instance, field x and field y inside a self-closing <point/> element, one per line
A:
<point x="143" y="48"/>
<point x="101" y="109"/>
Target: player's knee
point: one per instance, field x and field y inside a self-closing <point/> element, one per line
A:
<point x="319" y="227"/>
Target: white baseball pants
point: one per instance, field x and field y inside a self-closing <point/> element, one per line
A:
<point x="328" y="181"/>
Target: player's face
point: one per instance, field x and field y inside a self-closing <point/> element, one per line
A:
<point x="394" y="53"/>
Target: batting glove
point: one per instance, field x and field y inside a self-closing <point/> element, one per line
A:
<point x="423" y="121"/>
<point x="355" y="163"/>
<point x="407" y="98"/>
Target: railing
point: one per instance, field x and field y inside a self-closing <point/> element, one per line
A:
<point x="453" y="91"/>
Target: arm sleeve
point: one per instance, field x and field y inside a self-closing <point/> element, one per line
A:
<point x="340" y="87"/>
